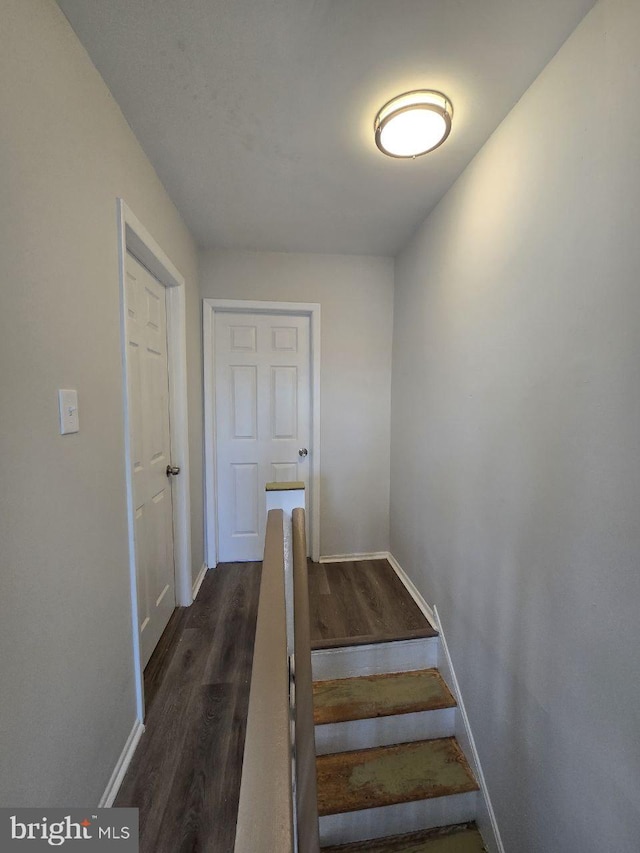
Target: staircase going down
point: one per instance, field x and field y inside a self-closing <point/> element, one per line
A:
<point x="391" y="776"/>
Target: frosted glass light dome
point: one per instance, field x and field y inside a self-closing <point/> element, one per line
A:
<point x="413" y="124"/>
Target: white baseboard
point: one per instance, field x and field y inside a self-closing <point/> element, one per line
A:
<point x="198" y="581"/>
<point x="412" y="589"/>
<point x="352" y="558"/>
<point x="486" y="818"/>
<point x="106" y="800"/>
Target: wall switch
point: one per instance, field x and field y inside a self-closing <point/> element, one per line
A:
<point x="69" y="419"/>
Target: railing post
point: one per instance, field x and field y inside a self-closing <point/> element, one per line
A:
<point x="265" y="810"/>
<point x="306" y="801"/>
<point x="287" y="497"/>
<point x="277" y="810"/>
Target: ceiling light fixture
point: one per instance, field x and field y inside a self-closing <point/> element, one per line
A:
<point x="413" y="124"/>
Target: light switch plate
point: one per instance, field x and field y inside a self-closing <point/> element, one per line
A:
<point x="69" y="418"/>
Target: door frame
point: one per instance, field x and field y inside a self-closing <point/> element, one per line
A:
<point x="210" y="307"/>
<point x="134" y="237"/>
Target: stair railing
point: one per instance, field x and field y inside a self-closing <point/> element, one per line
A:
<point x="301" y="690"/>
<point x="277" y="810"/>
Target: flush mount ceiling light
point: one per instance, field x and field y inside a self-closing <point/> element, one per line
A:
<point x="413" y="124"/>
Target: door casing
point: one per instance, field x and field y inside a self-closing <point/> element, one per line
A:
<point x="210" y="308"/>
<point x="133" y="237"/>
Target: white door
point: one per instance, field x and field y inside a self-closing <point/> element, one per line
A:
<point x="263" y="421"/>
<point x="148" y="392"/>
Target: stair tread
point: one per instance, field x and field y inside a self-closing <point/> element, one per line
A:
<point x="371" y="696"/>
<point x="463" y="838"/>
<point x="388" y="775"/>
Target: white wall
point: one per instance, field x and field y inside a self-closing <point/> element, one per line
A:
<point x="515" y="488"/>
<point x="356" y="295"/>
<point x="66" y="153"/>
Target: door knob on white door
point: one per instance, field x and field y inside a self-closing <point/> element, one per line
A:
<point x="303" y="452"/>
<point x="172" y="470"/>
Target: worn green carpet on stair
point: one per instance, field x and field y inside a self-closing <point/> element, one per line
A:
<point x="454" y="839"/>
<point x="386" y="775"/>
<point x="380" y="696"/>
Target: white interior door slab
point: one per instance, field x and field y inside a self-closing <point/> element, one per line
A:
<point x="148" y="393"/>
<point x="263" y="420"/>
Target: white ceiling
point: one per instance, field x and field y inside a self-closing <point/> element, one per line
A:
<point x="258" y="114"/>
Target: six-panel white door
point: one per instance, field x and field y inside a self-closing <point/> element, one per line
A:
<point x="148" y="392"/>
<point x="263" y="409"/>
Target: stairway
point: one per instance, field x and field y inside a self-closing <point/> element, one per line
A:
<point x="391" y="776"/>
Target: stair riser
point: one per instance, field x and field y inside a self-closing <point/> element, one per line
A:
<point x="351" y="661"/>
<point x="383" y="731"/>
<point x="395" y="820"/>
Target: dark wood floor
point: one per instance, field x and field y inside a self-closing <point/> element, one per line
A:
<point x="185" y="775"/>
<point x="361" y="602"/>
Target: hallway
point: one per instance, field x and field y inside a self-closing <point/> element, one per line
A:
<point x="480" y="406"/>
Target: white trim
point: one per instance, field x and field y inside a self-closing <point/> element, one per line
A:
<point x="134" y="237"/>
<point x="198" y="582"/>
<point x="209" y="308"/>
<point x="122" y="764"/>
<point x="412" y="589"/>
<point x="486" y="818"/>
<point x="374" y="658"/>
<point x="352" y="558"/>
<point x="179" y="417"/>
<point x="384" y="731"/>
<point x="210" y="442"/>
<point x="380" y="821"/>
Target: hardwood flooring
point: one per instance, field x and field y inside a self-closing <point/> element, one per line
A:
<point x="361" y="602"/>
<point x="158" y="665"/>
<point x="185" y="775"/>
